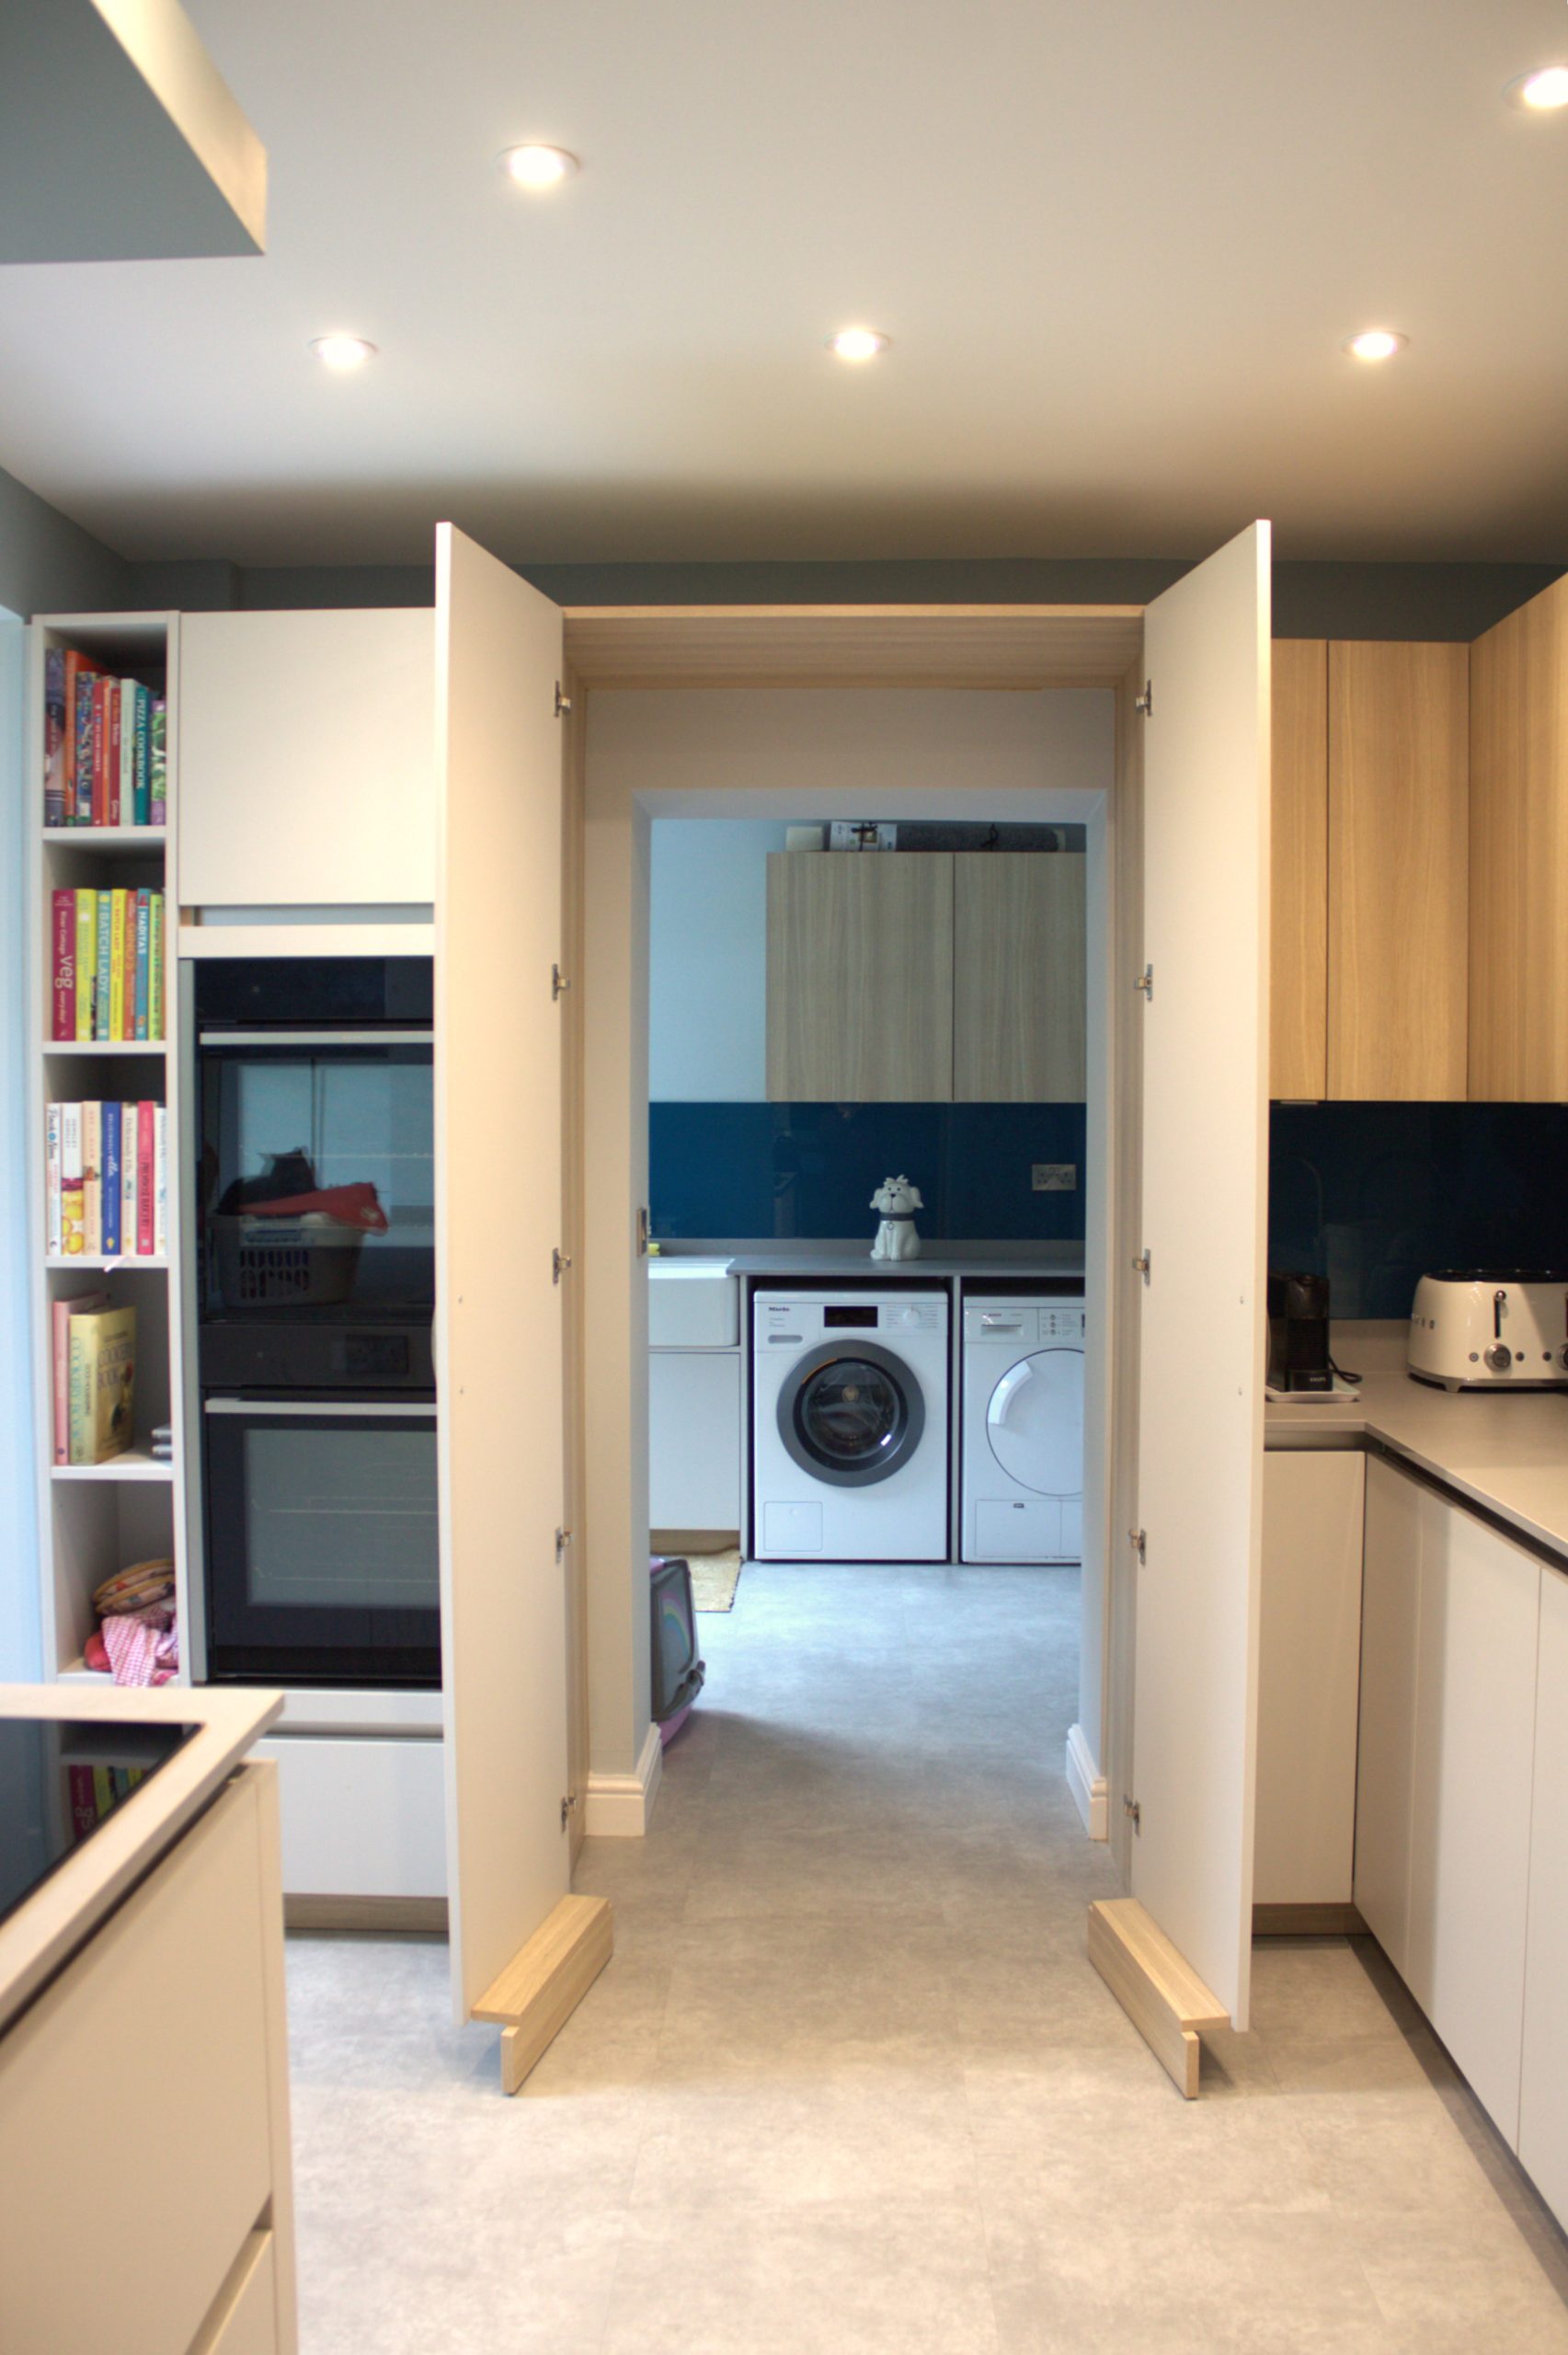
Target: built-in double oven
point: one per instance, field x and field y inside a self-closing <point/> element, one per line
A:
<point x="312" y="1268"/>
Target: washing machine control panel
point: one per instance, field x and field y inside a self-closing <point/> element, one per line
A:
<point x="911" y="1316"/>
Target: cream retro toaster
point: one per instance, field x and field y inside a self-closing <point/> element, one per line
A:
<point x="1472" y="1328"/>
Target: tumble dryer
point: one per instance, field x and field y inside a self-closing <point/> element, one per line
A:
<point x="849" y="1398"/>
<point x="1021" y="1480"/>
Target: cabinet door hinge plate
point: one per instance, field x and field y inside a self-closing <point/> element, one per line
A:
<point x="559" y="982"/>
<point x="563" y="702"/>
<point x="1145" y="702"/>
<point x="1139" y="1540"/>
<point x="559" y="1263"/>
<point x="1134" y="1814"/>
<point x="1145" y="982"/>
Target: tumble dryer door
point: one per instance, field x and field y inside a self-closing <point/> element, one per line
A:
<point x="1035" y="1422"/>
<point x="851" y="1413"/>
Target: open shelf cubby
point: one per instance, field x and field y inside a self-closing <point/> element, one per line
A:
<point x="93" y="1518"/>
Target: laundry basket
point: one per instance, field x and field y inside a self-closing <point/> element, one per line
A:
<point x="309" y="1261"/>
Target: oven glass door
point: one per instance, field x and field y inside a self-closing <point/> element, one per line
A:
<point x="317" y="1187"/>
<point x="322" y="1561"/>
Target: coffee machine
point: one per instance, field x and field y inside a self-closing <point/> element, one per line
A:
<point x="1299" y="1333"/>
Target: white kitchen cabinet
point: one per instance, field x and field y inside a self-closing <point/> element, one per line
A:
<point x="1386" y="1766"/>
<point x="361" y="1818"/>
<point x="1309" y="1664"/>
<point x="1449" y="1640"/>
<point x="307" y="768"/>
<point x="695" y="1439"/>
<point x="1543" y="2106"/>
<point x="1470" y="1793"/>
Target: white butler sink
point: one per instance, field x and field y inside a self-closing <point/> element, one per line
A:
<point x="693" y="1305"/>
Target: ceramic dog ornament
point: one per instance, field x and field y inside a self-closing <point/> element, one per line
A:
<point x="896" y="1237"/>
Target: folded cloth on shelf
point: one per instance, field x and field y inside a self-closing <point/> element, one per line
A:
<point x="143" y="1646"/>
<point x="136" y="1588"/>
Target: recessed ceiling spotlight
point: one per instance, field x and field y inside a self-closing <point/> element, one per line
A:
<point x="1540" y="91"/>
<point x="535" y="167"/>
<point x="857" y="343"/>
<point x="341" y="352"/>
<point x="1376" y="343"/>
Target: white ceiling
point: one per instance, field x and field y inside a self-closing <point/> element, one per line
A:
<point x="1116" y="244"/>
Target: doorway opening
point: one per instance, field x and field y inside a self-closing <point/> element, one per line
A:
<point x="689" y="795"/>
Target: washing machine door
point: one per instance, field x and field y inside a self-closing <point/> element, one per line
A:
<point x="1035" y="1422"/>
<point x="851" y="1413"/>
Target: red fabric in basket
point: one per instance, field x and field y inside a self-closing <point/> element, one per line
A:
<point x="356" y="1205"/>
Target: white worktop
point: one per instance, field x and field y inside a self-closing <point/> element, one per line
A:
<point x="62" y="1912"/>
<point x="1006" y="1263"/>
<point x="1508" y="1454"/>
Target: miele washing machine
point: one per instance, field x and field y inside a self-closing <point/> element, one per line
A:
<point x="1022" y="1445"/>
<point x="849" y="1421"/>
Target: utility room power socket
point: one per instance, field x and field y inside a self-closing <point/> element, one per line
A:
<point x="1054" y="1177"/>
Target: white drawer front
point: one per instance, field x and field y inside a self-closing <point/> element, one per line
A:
<point x="361" y="1818"/>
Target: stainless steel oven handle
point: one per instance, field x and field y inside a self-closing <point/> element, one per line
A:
<point x="425" y="1407"/>
<point x="316" y="1038"/>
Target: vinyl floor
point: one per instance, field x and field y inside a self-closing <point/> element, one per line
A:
<point x="850" y="2084"/>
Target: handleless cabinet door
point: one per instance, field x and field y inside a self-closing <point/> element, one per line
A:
<point x="1399" y="880"/>
<point x="1518" y="954"/>
<point x="1309" y="1666"/>
<point x="860" y="977"/>
<point x="1298" y="943"/>
<point x="1019" y="978"/>
<point x="1391" y="1615"/>
<point x="1543" y="2103"/>
<point x="1474" y="1756"/>
<point x="306" y="768"/>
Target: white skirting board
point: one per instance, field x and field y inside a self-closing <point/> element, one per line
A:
<point x="1087" y="1785"/>
<point x="360" y="1817"/>
<point x="619" y="1807"/>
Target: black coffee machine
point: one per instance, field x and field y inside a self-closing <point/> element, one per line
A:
<point x="1299" y="1333"/>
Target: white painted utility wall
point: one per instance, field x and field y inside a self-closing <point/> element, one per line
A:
<point x="769" y="756"/>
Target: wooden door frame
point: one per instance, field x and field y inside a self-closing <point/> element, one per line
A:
<point x="1027" y="648"/>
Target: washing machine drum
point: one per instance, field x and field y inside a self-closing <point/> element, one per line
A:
<point x="1035" y="1422"/>
<point x="851" y="1413"/>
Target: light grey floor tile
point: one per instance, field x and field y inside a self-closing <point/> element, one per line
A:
<point x="851" y="2083"/>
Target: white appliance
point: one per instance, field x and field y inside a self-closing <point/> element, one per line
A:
<point x="1021" y="1479"/>
<point x="1474" y="1330"/>
<point x="849" y="1412"/>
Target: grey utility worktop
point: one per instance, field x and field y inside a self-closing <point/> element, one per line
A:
<point x="834" y="1266"/>
<point x="1507" y="1454"/>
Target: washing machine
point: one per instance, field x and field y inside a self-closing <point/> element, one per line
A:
<point x="1022" y="1445"/>
<point x="849" y="1424"/>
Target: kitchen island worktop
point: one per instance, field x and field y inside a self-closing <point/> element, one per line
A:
<point x="1507" y="1455"/>
<point x="68" y="1904"/>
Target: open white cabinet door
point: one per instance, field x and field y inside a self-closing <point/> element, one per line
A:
<point x="1205" y="1183"/>
<point x="498" y="1324"/>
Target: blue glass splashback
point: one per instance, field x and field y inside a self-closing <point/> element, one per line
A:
<point x="810" y="1169"/>
<point x="1374" y="1195"/>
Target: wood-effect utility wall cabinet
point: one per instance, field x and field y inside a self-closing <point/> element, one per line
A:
<point x="907" y="977"/>
<point x="1370" y="891"/>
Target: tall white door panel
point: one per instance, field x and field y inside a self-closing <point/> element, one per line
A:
<point x="499" y="1322"/>
<point x="1205" y="1162"/>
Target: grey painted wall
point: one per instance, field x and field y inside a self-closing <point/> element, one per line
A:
<point x="49" y="565"/>
<point x="1408" y="600"/>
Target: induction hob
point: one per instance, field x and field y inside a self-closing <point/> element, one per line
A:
<point x="60" y="1779"/>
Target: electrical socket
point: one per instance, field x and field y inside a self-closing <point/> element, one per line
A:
<point x="1054" y="1177"/>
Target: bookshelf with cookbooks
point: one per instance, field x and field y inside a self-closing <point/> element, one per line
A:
<point x="102" y="778"/>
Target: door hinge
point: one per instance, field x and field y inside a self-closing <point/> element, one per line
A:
<point x="1144" y="1266"/>
<point x="563" y="1539"/>
<point x="1145" y="982"/>
<point x="559" y="982"/>
<point x="1134" y="1814"/>
<point x="1145" y="702"/>
<point x="1139" y="1540"/>
<point x="559" y="1263"/>
<point x="568" y="1807"/>
<point x="563" y="702"/>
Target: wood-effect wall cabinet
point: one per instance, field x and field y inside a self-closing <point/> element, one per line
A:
<point x="1370" y="868"/>
<point x="1299" y="936"/>
<point x="926" y="978"/>
<point x="1518" y="815"/>
<point x="860" y="977"/>
<point x="1020" y="973"/>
